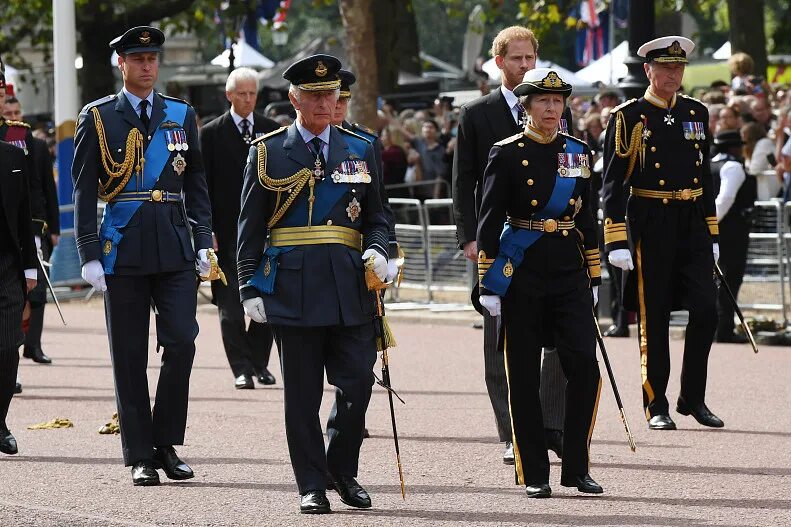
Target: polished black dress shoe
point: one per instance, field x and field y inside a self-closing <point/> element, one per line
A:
<point x="366" y="433"/>
<point x="144" y="474"/>
<point x="18" y="388"/>
<point x="37" y="354"/>
<point x="508" y="453"/>
<point x="617" y="331"/>
<point x="554" y="439"/>
<point x="350" y="491"/>
<point x="264" y="377"/>
<point x="661" y="422"/>
<point x="169" y="462"/>
<point x="314" y="502"/>
<point x="542" y="490"/>
<point x="244" y="382"/>
<point x="700" y="412"/>
<point x="583" y="482"/>
<point x="7" y="441"/>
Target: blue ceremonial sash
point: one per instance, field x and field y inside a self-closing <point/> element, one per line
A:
<point x="514" y="243"/>
<point x="118" y="214"/>
<point x="264" y="277"/>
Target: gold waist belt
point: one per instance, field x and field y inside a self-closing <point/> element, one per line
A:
<point x="316" y="235"/>
<point x="548" y="225"/>
<point x="680" y="195"/>
<point x="159" y="196"/>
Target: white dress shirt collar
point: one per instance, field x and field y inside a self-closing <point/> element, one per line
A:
<point x="237" y="119"/>
<point x="511" y="100"/>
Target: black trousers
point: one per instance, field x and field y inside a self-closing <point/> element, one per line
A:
<point x="734" y="239"/>
<point x="620" y="317"/>
<point x="674" y="266"/>
<point x="246" y="346"/>
<point x="12" y="299"/>
<point x="348" y="354"/>
<point x="38" y="300"/>
<point x="534" y="309"/>
<point x="127" y="308"/>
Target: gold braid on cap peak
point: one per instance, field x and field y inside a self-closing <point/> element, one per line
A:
<point x="293" y="185"/>
<point x="133" y="159"/>
<point x="636" y="143"/>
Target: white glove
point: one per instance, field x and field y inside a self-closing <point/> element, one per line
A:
<point x="595" y="290"/>
<point x="392" y="269"/>
<point x="491" y="303"/>
<point x="93" y="273"/>
<point x="37" y="239"/>
<point x="716" y="250"/>
<point x="622" y="259"/>
<point x="380" y="263"/>
<point x="254" y="308"/>
<point x="204" y="265"/>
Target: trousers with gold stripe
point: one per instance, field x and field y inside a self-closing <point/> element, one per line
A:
<point x="538" y="307"/>
<point x="674" y="270"/>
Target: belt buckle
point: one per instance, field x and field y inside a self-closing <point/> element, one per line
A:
<point x="686" y="194"/>
<point x="550" y="225"/>
<point x="156" y="195"/>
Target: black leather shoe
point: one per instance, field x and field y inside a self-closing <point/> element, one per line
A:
<point x="583" y="482"/>
<point x="700" y="412"/>
<point x="244" y="382"/>
<point x="169" y="462"/>
<point x="554" y="439"/>
<point x="661" y="422"/>
<point x="541" y="490"/>
<point x="37" y="354"/>
<point x="617" y="331"/>
<point x="314" y="502"/>
<point x="7" y="441"/>
<point x="508" y="453"/>
<point x="264" y="377"/>
<point x="144" y="474"/>
<point x="732" y="338"/>
<point x="18" y="388"/>
<point x="350" y="491"/>
<point x="366" y="433"/>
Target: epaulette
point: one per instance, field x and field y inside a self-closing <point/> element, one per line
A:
<point x="503" y="142"/>
<point x="98" y="102"/>
<point x="17" y="123"/>
<point x="170" y="97"/>
<point x="693" y="99"/>
<point x="349" y="132"/>
<point x="569" y="136"/>
<point x="622" y="105"/>
<point x="365" y="129"/>
<point x="269" y="134"/>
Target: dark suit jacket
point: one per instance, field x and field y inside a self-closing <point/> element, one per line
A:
<point x="482" y="123"/>
<point x="33" y="176"/>
<point x="157" y="238"/>
<point x="224" y="158"/>
<point x="322" y="284"/>
<point x="43" y="162"/>
<point x="16" y="207"/>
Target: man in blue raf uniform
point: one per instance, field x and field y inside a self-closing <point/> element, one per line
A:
<point x="657" y="157"/>
<point x="138" y="151"/>
<point x="312" y="189"/>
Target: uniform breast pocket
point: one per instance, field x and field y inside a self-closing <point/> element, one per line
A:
<point x="287" y="298"/>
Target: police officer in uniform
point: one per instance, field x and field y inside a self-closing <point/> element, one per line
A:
<point x="736" y="193"/>
<point x="312" y="189"/>
<point x="139" y="152"/>
<point x="657" y="176"/>
<point x="538" y="183"/>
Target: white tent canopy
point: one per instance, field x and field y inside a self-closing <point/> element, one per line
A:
<point x="724" y="53"/>
<point x="491" y="69"/>
<point x="608" y="68"/>
<point x="243" y="55"/>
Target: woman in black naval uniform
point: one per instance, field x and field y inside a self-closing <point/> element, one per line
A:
<point x="543" y="268"/>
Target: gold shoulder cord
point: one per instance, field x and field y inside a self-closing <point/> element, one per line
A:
<point x="636" y="143"/>
<point x="292" y="184"/>
<point x="133" y="159"/>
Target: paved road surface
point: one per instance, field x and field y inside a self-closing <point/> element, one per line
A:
<point x="739" y="476"/>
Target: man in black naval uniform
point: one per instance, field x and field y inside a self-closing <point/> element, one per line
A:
<point x="538" y="183"/>
<point x="313" y="190"/>
<point x="138" y="151"/>
<point x="482" y="122"/>
<point x="224" y="145"/>
<point x="657" y="176"/>
<point x="735" y="192"/>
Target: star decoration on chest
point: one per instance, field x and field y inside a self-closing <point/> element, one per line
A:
<point x="669" y="120"/>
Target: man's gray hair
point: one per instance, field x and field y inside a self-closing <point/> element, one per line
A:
<point x="241" y="74"/>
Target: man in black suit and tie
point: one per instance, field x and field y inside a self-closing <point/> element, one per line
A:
<point x="17" y="252"/>
<point x="483" y="122"/>
<point x="225" y="142"/>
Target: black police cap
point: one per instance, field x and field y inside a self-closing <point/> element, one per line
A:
<point x="728" y="138"/>
<point x="315" y="73"/>
<point x="138" y="40"/>
<point x="347" y="79"/>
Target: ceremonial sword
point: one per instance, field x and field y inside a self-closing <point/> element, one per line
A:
<point x="49" y="285"/>
<point x="736" y="308"/>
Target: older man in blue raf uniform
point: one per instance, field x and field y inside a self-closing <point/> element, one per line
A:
<point x="139" y="152"/>
<point x="311" y="216"/>
<point x="657" y="157"/>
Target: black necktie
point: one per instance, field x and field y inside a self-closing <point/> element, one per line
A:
<point x="144" y="113"/>
<point x="318" y="152"/>
<point x="246" y="130"/>
<point x="520" y="115"/>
